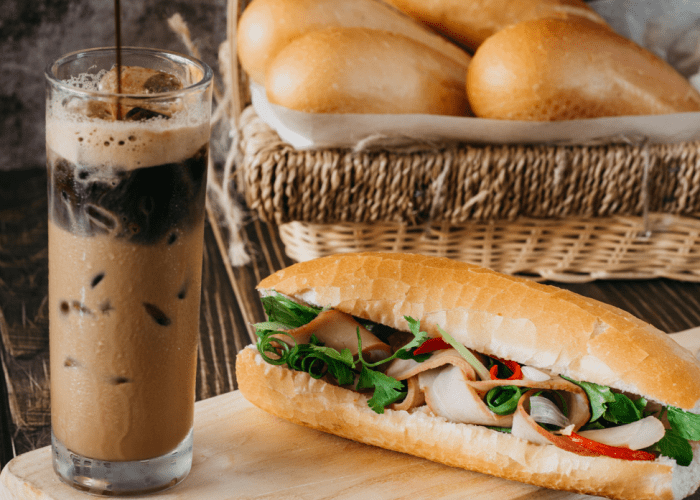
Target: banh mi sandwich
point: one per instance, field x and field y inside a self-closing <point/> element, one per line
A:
<point x="475" y="369"/>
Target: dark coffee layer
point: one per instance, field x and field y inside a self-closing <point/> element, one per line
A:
<point x="141" y="205"/>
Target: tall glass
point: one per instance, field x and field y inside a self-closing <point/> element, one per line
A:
<point x="126" y="188"/>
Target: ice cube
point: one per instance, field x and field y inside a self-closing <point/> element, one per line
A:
<point x="162" y="82"/>
<point x="138" y="114"/>
<point x="137" y="80"/>
<point x="90" y="108"/>
<point x="140" y="81"/>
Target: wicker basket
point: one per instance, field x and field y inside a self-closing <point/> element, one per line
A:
<point x="566" y="213"/>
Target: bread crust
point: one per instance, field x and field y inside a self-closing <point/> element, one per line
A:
<point x="470" y="22"/>
<point x="267" y="26"/>
<point x="563" y="69"/>
<point x="297" y="397"/>
<point x="360" y="70"/>
<point x="501" y="315"/>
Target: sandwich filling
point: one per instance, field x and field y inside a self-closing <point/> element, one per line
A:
<point x="410" y="371"/>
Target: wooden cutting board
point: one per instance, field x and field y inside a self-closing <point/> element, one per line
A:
<point x="243" y="453"/>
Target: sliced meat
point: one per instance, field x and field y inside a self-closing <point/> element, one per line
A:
<point x="452" y="390"/>
<point x="402" y="369"/>
<point x="414" y="396"/>
<point x="339" y="330"/>
<point x="525" y="427"/>
<point x="450" y="395"/>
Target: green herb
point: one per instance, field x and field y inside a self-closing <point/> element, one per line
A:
<point x="622" y="410"/>
<point x="339" y="364"/>
<point x="685" y="423"/>
<point x="419" y="358"/>
<point x="287" y="312"/>
<point x="269" y="326"/>
<point x="641" y="404"/>
<point x="613" y="408"/>
<point x="418" y="339"/>
<point x="608" y="409"/>
<point x="273" y="350"/>
<point x="471" y="359"/>
<point x="598" y="395"/>
<point x="387" y="390"/>
<point x="318" y="360"/>
<point x="675" y="446"/>
<point x="507" y="430"/>
<point x="503" y="400"/>
<point x="684" y="426"/>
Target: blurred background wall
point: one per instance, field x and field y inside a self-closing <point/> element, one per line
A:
<point x="34" y="33"/>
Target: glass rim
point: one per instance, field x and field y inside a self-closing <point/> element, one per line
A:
<point x="205" y="81"/>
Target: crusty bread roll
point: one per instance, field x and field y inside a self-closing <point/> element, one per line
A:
<point x="498" y="315"/>
<point x="360" y="70"/>
<point x="470" y="22"/>
<point x="297" y="397"/>
<point x="267" y="26"/>
<point x="554" y="69"/>
<point x="504" y="316"/>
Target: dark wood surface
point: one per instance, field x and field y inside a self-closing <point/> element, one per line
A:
<point x="229" y="306"/>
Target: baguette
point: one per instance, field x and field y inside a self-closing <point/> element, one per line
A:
<point x="497" y="315"/>
<point x="360" y="70"/>
<point x="267" y="26"/>
<point x="470" y="22"/>
<point x="554" y="69"/>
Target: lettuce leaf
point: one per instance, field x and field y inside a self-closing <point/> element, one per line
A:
<point x="675" y="446"/>
<point x="613" y="408"/>
<point x="608" y="408"/>
<point x="598" y="395"/>
<point x="685" y="423"/>
<point x="622" y="410"/>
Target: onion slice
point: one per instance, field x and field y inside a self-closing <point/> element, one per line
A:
<point x="635" y="436"/>
<point x="531" y="373"/>
<point x="544" y="411"/>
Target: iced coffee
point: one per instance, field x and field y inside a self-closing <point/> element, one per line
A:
<point x="126" y="189"/>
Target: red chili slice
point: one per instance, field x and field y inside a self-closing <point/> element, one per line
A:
<point x="512" y="366"/>
<point x="430" y="345"/>
<point x="611" y="451"/>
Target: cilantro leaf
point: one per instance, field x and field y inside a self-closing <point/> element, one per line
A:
<point x="344" y="356"/>
<point x="419" y="358"/>
<point x="418" y="336"/>
<point x="387" y="390"/>
<point x="685" y="423"/>
<point x="340" y="364"/>
<point x="673" y="445"/>
<point x="280" y="309"/>
<point x="406" y="352"/>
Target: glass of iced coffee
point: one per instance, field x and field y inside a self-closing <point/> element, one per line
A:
<point x="127" y="156"/>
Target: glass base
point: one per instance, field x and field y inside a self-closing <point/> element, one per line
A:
<point x="99" y="477"/>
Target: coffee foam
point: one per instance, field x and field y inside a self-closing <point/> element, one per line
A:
<point x="124" y="144"/>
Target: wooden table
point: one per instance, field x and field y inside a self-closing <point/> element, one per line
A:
<point x="229" y="306"/>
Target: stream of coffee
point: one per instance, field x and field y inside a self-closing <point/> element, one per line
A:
<point x="118" y="41"/>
